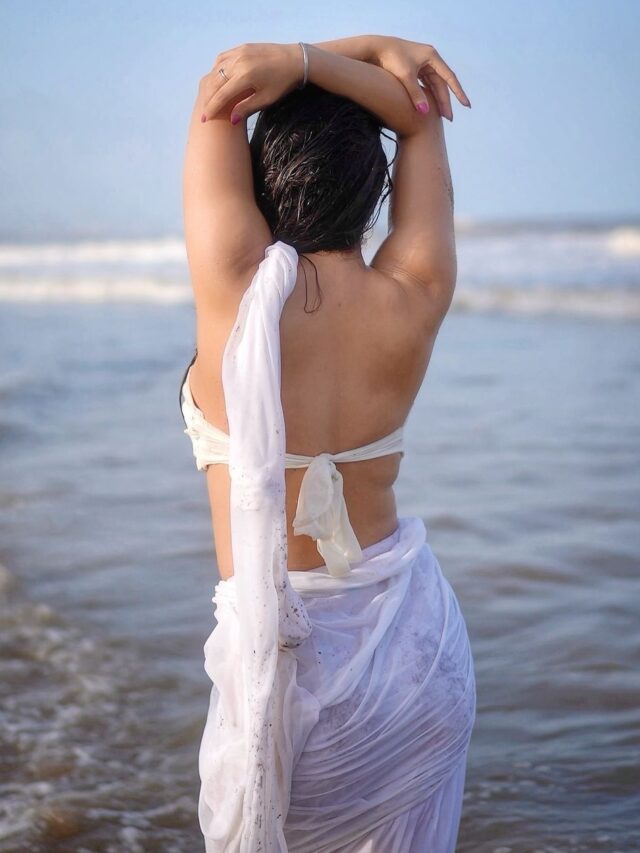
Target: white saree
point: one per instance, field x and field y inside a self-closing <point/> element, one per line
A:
<point x="342" y="703"/>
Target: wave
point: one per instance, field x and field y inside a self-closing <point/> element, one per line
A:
<point x="543" y="227"/>
<point x="95" y="290"/>
<point x="621" y="240"/>
<point x="624" y="241"/>
<point x="169" y="249"/>
<point x="607" y="303"/>
<point x="72" y="707"/>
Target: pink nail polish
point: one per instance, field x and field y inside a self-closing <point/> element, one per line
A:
<point x="423" y="107"/>
<point x="203" y="117"/>
<point x="235" y="118"/>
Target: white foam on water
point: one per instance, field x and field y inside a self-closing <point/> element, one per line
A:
<point x="613" y="304"/>
<point x="170" y="249"/>
<point x="607" y="303"/>
<point x="95" y="290"/>
<point x="70" y="703"/>
<point x="625" y="242"/>
<point x="570" y="271"/>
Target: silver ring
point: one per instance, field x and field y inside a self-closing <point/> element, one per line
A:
<point x="221" y="71"/>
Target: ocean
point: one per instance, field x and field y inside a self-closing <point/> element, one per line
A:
<point x="523" y="459"/>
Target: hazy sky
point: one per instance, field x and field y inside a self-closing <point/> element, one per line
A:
<point x="96" y="96"/>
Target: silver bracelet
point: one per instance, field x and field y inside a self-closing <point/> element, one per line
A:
<point x="305" y="56"/>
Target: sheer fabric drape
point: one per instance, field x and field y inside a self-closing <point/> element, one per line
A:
<point x="341" y="706"/>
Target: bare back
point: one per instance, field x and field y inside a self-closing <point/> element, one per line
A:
<point x="350" y="372"/>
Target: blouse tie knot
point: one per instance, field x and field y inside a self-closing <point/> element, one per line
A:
<point x="322" y="514"/>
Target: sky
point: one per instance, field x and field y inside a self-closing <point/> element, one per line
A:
<point x="96" y="99"/>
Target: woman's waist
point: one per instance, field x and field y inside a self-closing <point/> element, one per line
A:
<point x="388" y="557"/>
<point x="372" y="514"/>
<point x="372" y="526"/>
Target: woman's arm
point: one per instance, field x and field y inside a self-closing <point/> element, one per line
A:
<point x="354" y="47"/>
<point x="224" y="230"/>
<point x="373" y="88"/>
<point x="406" y="60"/>
<point x="419" y="251"/>
<point x="225" y="233"/>
<point x="269" y="71"/>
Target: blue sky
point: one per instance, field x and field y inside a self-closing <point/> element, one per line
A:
<point x="96" y="97"/>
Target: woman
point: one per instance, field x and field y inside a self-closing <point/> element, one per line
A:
<point x="343" y="692"/>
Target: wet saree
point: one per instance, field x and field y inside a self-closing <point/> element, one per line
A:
<point x="342" y="704"/>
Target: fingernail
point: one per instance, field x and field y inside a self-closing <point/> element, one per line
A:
<point x="203" y="117"/>
<point x="423" y="107"/>
<point x="235" y="118"/>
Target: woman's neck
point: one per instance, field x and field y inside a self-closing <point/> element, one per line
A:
<point x="337" y="259"/>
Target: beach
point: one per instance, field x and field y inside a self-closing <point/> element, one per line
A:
<point x="522" y="457"/>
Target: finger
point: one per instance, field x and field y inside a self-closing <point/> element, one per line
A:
<point x="224" y="95"/>
<point x="416" y="92"/>
<point x="220" y="59"/>
<point x="441" y="67"/>
<point x="441" y="94"/>
<point x="210" y="86"/>
<point x="247" y="107"/>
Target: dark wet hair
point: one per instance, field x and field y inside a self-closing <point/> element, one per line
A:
<point x="320" y="173"/>
<point x="319" y="169"/>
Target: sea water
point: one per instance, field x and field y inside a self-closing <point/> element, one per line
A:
<point x="523" y="454"/>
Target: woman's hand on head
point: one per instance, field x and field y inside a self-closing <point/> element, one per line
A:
<point x="411" y="62"/>
<point x="259" y="74"/>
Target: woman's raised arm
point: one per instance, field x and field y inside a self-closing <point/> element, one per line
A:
<point x="373" y="88"/>
<point x="406" y="60"/>
<point x="420" y="249"/>
<point x="225" y="232"/>
<point x="272" y="70"/>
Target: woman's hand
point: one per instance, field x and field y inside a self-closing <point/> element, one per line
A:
<point x="410" y="62"/>
<point x="258" y="75"/>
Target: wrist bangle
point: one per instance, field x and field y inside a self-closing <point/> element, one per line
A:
<point x="305" y="57"/>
